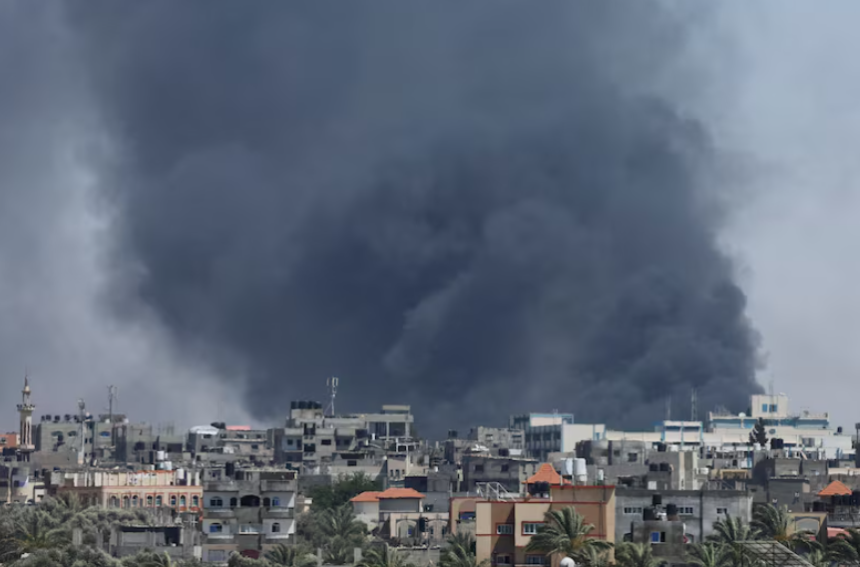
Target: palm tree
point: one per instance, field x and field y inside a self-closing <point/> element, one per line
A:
<point x="290" y="556"/>
<point x="566" y="533"/>
<point x="341" y="522"/>
<point x="845" y="548"/>
<point x="37" y="530"/>
<point x="710" y="554"/>
<point x="459" y="553"/>
<point x="593" y="557"/>
<point x="383" y="556"/>
<point x="636" y="555"/>
<point x="730" y="531"/>
<point x="771" y="522"/>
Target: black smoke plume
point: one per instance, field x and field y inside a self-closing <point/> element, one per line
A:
<point x="477" y="208"/>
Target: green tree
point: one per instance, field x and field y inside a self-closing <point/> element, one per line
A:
<point x="845" y="549"/>
<point x="636" y="555"/>
<point x="565" y="533"/>
<point x="759" y="433"/>
<point x="341" y="491"/>
<point x="460" y="552"/>
<point x="774" y="523"/>
<point x="291" y="556"/>
<point x="710" y="554"/>
<point x="592" y="557"/>
<point x="383" y="556"/>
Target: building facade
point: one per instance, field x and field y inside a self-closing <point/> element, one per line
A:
<point x="109" y="488"/>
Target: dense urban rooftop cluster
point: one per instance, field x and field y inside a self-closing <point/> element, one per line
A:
<point x="364" y="489"/>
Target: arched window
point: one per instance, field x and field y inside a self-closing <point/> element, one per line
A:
<point x="276" y="527"/>
<point x="215" y="502"/>
<point x="276" y="501"/>
<point x="173" y="500"/>
<point x="267" y="502"/>
<point x="251" y="501"/>
<point x="215" y="528"/>
<point x="158" y="500"/>
<point x="114" y="502"/>
<point x="149" y="501"/>
<point x="182" y="500"/>
<point x="125" y="501"/>
<point x="195" y="501"/>
<point x="134" y="501"/>
<point x="233" y="502"/>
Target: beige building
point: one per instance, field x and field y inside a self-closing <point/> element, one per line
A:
<point x="503" y="528"/>
<point x="399" y="513"/>
<point x="179" y="489"/>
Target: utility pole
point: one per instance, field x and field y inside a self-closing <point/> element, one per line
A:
<point x="331" y="384"/>
<point x="112" y="396"/>
<point x="694" y="410"/>
<point x="669" y="409"/>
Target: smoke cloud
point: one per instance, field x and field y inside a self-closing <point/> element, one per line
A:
<point x="478" y="210"/>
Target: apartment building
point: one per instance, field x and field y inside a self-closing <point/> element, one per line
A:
<point x="247" y="511"/>
<point x="504" y="526"/>
<point x="509" y="472"/>
<point x="109" y="488"/>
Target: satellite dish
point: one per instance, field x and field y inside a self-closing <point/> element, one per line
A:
<point x="568" y="562"/>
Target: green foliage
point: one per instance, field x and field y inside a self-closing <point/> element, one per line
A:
<point x="711" y="554"/>
<point x="342" y="491"/>
<point x="566" y="533"/>
<point x="291" y="556"/>
<point x="635" y="555"/>
<point x="460" y="552"/>
<point x="383" y="556"/>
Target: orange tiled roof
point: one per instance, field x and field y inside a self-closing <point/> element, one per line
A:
<point x="369" y="496"/>
<point x="546" y="473"/>
<point x="392" y="493"/>
<point x="835" y="488"/>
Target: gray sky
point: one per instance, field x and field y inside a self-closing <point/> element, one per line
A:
<point x="783" y="99"/>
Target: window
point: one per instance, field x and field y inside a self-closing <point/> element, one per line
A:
<point x="182" y="500"/>
<point x="685" y="510"/>
<point x="173" y="500"/>
<point x="215" y="502"/>
<point x="276" y="528"/>
<point x="505" y="468"/>
<point x="125" y="501"/>
<point x="325" y="442"/>
<point x="215" y="528"/>
<point x="773" y="408"/>
<point x="632" y="457"/>
<point x="134" y="501"/>
<point x="266" y="502"/>
<point x="351" y="463"/>
<point x="254" y="447"/>
<point x="233" y="502"/>
<point x="503" y="559"/>
<point x="531" y="528"/>
<point x="722" y="511"/>
<point x="276" y="501"/>
<point x="764" y="408"/>
<point x="479" y="468"/>
<point x="114" y="502"/>
<point x="655" y="537"/>
<point x="535" y="559"/>
<point x="158" y="501"/>
<point x="633" y="510"/>
<point x="505" y="529"/>
<point x="149" y="501"/>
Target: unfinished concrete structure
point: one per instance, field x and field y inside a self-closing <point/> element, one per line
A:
<point x="247" y="510"/>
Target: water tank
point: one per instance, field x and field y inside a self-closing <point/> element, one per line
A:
<point x="293" y="405"/>
<point x="600" y="477"/>
<point x="656" y="500"/>
<point x="160" y="455"/>
<point x="648" y="514"/>
<point x="579" y="470"/>
<point x="567" y="467"/>
<point x="567" y="562"/>
<point x="671" y="510"/>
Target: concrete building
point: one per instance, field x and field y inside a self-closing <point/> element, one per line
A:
<point x="697" y="510"/>
<point x="177" y="541"/>
<point x="110" y="488"/>
<point x="498" y="438"/>
<point x="504" y="527"/>
<point x="509" y="472"/>
<point x="399" y="514"/>
<point x="247" y="510"/>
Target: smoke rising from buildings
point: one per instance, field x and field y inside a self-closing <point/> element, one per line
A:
<point x="471" y="209"/>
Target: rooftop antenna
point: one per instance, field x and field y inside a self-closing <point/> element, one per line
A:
<point x="694" y="409"/>
<point x="331" y="384"/>
<point x="82" y="455"/>
<point x="112" y="397"/>
<point x="668" y="409"/>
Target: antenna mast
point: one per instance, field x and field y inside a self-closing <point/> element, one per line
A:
<point x="668" y="409"/>
<point x="331" y="384"/>
<point x="112" y="397"/>
<point x="694" y="409"/>
<point x="82" y="453"/>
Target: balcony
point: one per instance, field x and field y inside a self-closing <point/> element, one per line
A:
<point x="280" y="513"/>
<point x="218" y="513"/>
<point x="280" y="537"/>
<point x="220" y="538"/>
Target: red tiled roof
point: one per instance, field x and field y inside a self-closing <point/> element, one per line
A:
<point x="546" y="473"/>
<point x="238" y="428"/>
<point x="393" y="493"/>
<point x="369" y="496"/>
<point x="835" y="488"/>
<point x="836" y="532"/>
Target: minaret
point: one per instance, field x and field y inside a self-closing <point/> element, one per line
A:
<point x="25" y="410"/>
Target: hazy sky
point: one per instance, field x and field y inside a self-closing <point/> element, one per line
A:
<point x="783" y="99"/>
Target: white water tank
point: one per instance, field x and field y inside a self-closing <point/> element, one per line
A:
<point x="567" y="467"/>
<point x="600" y="476"/>
<point x="580" y="472"/>
<point x="160" y="455"/>
<point x="568" y="562"/>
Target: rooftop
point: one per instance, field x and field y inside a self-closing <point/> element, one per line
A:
<point x="546" y="473"/>
<point x="390" y="494"/>
<point x="835" y="488"/>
